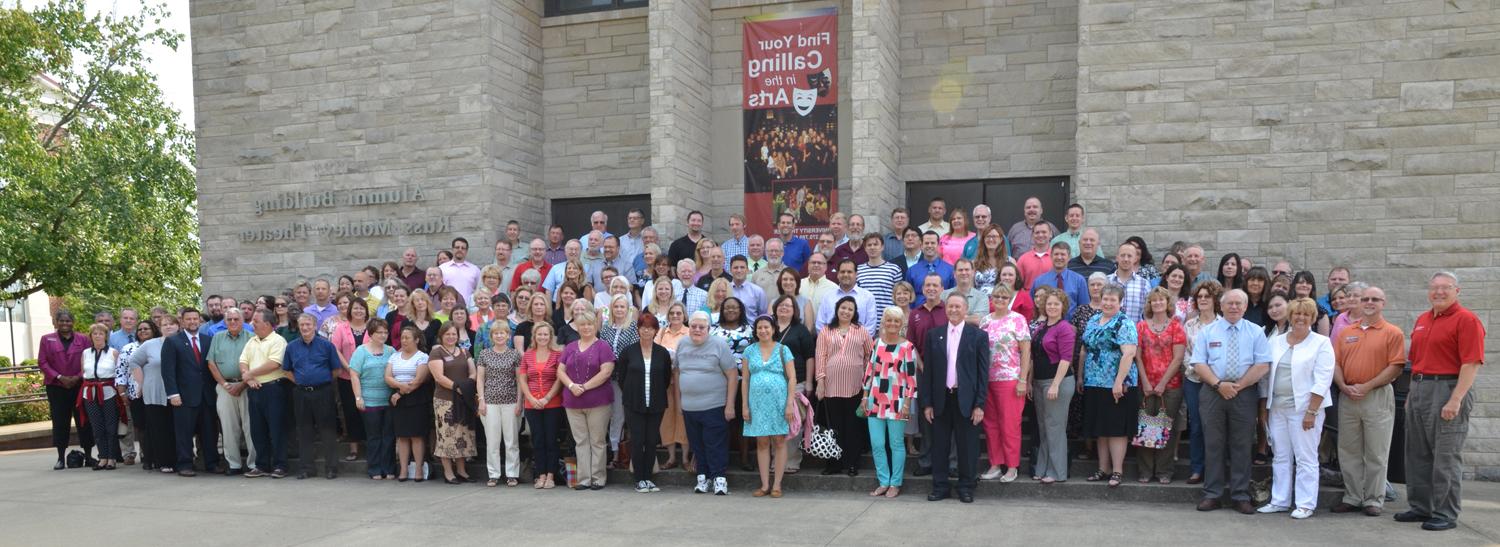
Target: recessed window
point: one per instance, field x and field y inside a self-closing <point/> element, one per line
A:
<point x="569" y="7"/>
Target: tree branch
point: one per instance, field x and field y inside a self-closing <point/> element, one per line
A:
<point x="72" y="113"/>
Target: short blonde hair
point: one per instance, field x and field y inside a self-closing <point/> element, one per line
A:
<point x="586" y="316"/>
<point x="1304" y="306"/>
<point x="99" y="328"/>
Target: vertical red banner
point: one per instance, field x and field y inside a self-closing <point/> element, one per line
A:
<point x="790" y="102"/>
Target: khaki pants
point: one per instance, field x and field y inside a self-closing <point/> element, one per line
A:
<point x="1365" y="445"/>
<point x="590" y="428"/>
<point x="234" y="419"/>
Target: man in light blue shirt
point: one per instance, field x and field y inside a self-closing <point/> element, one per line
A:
<point x="1230" y="356"/>
<point x="750" y="294"/>
<point x="129" y="318"/>
<point x="930" y="263"/>
<point x="1074" y="285"/>
<point x="633" y="242"/>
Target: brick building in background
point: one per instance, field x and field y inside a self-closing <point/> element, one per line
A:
<point x="1327" y="132"/>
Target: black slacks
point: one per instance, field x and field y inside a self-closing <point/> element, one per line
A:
<point x="62" y="406"/>
<point x="316" y="412"/>
<point x="953" y="423"/>
<point x="645" y="434"/>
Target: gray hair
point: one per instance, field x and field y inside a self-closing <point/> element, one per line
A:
<point x="1240" y="294"/>
<point x="700" y="315"/>
<point x="1442" y="273"/>
<point x="651" y="229"/>
<point x="1098" y="276"/>
<point x="532" y="276"/>
<point x="651" y="247"/>
<point x="977" y="208"/>
<point x="1114" y="289"/>
<point x="268" y="315"/>
<point x="778" y="242"/>
<point x="307" y="316"/>
<point x="233" y="312"/>
<point x="1359" y="286"/>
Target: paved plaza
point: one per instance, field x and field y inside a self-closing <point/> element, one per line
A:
<point x="129" y="507"/>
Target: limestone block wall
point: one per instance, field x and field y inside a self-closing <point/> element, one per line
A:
<point x="345" y="96"/>
<point x="987" y="88"/>
<point x="1328" y="132"/>
<point x="596" y="109"/>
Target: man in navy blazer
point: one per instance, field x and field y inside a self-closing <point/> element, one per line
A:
<point x="190" y="391"/>
<point x="951" y="391"/>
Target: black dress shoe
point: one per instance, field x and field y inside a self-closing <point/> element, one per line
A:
<point x="1411" y="516"/>
<point x="1209" y="504"/>
<point x="212" y="471"/>
<point x="937" y="495"/>
<point x="331" y="474"/>
<point x="966" y="497"/>
<point x="923" y="471"/>
<point x="1244" y="507"/>
<point x="187" y="472"/>
<point x="1344" y="508"/>
<point x="60" y="465"/>
<point x="91" y="462"/>
<point x="830" y="471"/>
<point x="852" y="471"/>
<point x="1439" y="524"/>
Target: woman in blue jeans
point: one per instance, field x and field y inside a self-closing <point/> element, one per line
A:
<point x="1205" y="312"/>
<point x="373" y="400"/>
<point x="705" y="389"/>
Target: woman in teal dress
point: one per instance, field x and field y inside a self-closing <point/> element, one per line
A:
<point x="765" y="401"/>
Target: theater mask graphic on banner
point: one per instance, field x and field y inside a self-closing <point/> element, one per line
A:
<point x="804" y="100"/>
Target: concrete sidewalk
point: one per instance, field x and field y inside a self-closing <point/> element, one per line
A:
<point x="131" y="507"/>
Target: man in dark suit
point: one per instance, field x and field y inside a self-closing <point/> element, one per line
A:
<point x="951" y="391"/>
<point x="190" y="391"/>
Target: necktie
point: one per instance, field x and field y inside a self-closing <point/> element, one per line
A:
<point x="1232" y="352"/>
<point x="193" y="341"/>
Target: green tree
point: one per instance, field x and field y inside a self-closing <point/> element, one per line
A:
<point x="96" y="182"/>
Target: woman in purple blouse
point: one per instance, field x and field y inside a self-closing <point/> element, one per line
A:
<point x="1052" y="383"/>
<point x="587" y="395"/>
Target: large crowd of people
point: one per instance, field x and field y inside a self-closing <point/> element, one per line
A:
<point x="910" y="342"/>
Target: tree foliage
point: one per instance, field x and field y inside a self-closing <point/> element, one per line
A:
<point x="96" y="185"/>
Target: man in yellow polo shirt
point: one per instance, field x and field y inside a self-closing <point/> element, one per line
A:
<point x="260" y="366"/>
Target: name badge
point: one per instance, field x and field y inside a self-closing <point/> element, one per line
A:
<point x="448" y="359"/>
<point x="1351" y="339"/>
<point x="1215" y="344"/>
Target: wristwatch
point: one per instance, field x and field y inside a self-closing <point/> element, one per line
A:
<point x="1217" y="384"/>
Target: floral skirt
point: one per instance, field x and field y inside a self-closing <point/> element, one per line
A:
<point x="454" y="440"/>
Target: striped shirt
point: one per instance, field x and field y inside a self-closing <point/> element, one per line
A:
<point x="841" y="359"/>
<point x="879" y="280"/>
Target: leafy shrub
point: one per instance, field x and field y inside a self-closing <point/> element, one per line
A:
<point x="20" y="413"/>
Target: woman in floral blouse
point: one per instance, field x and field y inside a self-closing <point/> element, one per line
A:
<point x="890" y="391"/>
<point x="1161" y="344"/>
<point x="1110" y="399"/>
<point x="1010" y="365"/>
<point x="500" y="405"/>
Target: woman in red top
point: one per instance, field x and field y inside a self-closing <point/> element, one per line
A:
<point x="538" y="379"/>
<point x="1161" y="345"/>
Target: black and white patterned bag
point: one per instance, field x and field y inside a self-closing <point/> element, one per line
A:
<point x="823" y="445"/>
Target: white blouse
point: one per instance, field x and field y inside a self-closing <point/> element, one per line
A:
<point x="405" y="370"/>
<point x="101" y="366"/>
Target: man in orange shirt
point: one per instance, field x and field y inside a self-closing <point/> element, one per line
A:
<point x="1447" y="349"/>
<point x="1370" y="354"/>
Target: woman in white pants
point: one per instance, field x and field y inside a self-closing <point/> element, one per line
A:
<point x="1301" y="371"/>
<point x="499" y="404"/>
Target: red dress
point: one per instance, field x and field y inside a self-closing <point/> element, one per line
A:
<point x="1156" y="350"/>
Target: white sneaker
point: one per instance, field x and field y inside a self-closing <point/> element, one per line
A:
<point x="1268" y="508"/>
<point x="1010" y="475"/>
<point x="1301" y="513"/>
<point x="702" y="487"/>
<point x="721" y="487"/>
<point x="992" y="474"/>
<point x="650" y="485"/>
<point x="641" y="487"/>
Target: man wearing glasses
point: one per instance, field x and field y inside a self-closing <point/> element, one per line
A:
<point x="1368" y="356"/>
<point x="1447" y="349"/>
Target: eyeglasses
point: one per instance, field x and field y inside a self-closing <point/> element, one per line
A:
<point x="281" y="304"/>
<point x="1368" y="299"/>
<point x="1281" y="272"/>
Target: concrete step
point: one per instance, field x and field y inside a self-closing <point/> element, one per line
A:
<point x="810" y="480"/>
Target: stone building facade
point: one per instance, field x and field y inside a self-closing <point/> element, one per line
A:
<point x="1356" y="132"/>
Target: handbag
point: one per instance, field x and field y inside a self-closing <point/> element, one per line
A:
<point x="823" y="443"/>
<point x="1152" y="431"/>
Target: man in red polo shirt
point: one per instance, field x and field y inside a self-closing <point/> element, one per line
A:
<point x="1447" y="349"/>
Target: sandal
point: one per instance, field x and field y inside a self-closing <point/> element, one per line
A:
<point x="549" y="484"/>
<point x="759" y="493"/>
<point x="1261" y="458"/>
<point x="879" y="491"/>
<point x="537" y="484"/>
<point x="776" y="493"/>
<point x="893" y="492"/>
<point x="671" y="464"/>
<point x="1114" y="480"/>
<point x="1097" y="476"/>
<point x="1165" y="480"/>
<point x="1048" y="480"/>
<point x="510" y="483"/>
<point x="492" y="483"/>
<point x="351" y="457"/>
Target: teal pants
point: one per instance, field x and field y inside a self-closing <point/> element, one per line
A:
<point x="888" y="434"/>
